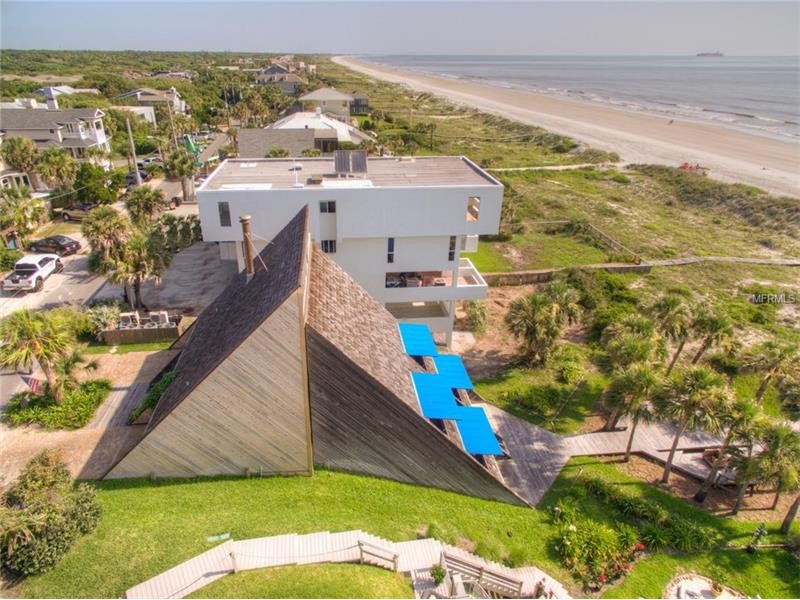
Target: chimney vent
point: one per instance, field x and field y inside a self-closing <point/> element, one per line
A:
<point x="247" y="236"/>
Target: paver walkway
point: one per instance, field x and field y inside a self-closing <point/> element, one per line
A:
<point x="414" y="558"/>
<point x="539" y="455"/>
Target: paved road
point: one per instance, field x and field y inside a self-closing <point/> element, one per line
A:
<point x="74" y="285"/>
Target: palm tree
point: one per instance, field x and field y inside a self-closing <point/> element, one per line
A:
<point x="65" y="368"/>
<point x="780" y="459"/>
<point x="141" y="257"/>
<point x="531" y="320"/>
<point x="776" y="361"/>
<point x="144" y="203"/>
<point x="674" y="318"/>
<point x="106" y="228"/>
<point x="19" y="211"/>
<point x="58" y="167"/>
<point x="737" y="415"/>
<point x="631" y="392"/>
<point x="20" y="154"/>
<point x="565" y="302"/>
<point x="181" y="165"/>
<point x="631" y="340"/>
<point x="31" y="337"/>
<point x="791" y="515"/>
<point x="748" y="472"/>
<point x="693" y="400"/>
<point x="713" y="328"/>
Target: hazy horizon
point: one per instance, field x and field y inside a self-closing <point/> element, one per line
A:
<point x="444" y="28"/>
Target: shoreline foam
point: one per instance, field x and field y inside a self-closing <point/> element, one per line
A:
<point x="730" y="154"/>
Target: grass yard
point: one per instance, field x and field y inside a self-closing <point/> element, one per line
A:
<point x="148" y="527"/>
<point x="311" y="581"/>
<point x="489" y="258"/>
<point x="59" y="227"/>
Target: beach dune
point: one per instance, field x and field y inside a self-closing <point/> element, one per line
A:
<point x="731" y="155"/>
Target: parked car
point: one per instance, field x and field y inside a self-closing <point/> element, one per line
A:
<point x="130" y="178"/>
<point x="56" y="244"/>
<point x="31" y="271"/>
<point x="77" y="211"/>
<point x="151" y="160"/>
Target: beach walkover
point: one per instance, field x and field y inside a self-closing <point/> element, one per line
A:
<point x="414" y="558"/>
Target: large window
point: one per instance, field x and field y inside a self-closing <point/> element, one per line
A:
<point x="328" y="246"/>
<point x="473" y="208"/>
<point x="224" y="214"/>
<point x="390" y="250"/>
<point x="327" y="206"/>
<point x="451" y="253"/>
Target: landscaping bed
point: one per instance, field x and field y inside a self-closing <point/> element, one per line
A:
<point x="76" y="409"/>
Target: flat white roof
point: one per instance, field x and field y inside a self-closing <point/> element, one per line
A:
<point x="283" y="173"/>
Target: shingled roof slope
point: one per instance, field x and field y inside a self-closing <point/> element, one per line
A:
<point x="238" y="311"/>
<point x="344" y="313"/>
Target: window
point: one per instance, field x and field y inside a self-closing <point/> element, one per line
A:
<point x="390" y="250"/>
<point x="473" y="208"/>
<point x="451" y="254"/>
<point x="327" y="206"/>
<point x="328" y="246"/>
<point x="224" y="214"/>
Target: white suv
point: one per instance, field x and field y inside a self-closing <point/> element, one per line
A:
<point x="30" y="271"/>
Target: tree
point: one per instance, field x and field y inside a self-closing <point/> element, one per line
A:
<point x="791" y="515"/>
<point x="144" y="204"/>
<point x="19" y="211"/>
<point x="631" y="340"/>
<point x="142" y="257"/>
<point x="94" y="185"/>
<point x="181" y="165"/>
<point x="531" y="320"/>
<point x="106" y="229"/>
<point x="713" y="328"/>
<point x="565" y="302"/>
<point x="631" y="392"/>
<point x="737" y="416"/>
<point x="31" y="337"/>
<point x="776" y="361"/>
<point x="65" y="369"/>
<point x="780" y="459"/>
<point x="693" y="400"/>
<point x="58" y="167"/>
<point x="20" y="154"/>
<point x="674" y="318"/>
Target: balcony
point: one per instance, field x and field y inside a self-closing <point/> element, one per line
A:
<point x="465" y="283"/>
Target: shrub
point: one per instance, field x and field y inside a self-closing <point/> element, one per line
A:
<point x="153" y="395"/>
<point x="476" y="316"/>
<point x="568" y="365"/>
<point x="438" y="574"/>
<point x="102" y="317"/>
<point x="76" y="409"/>
<point x="8" y="258"/>
<point x="42" y="515"/>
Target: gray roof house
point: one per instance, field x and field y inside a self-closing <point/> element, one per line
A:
<point x="287" y="82"/>
<point x="256" y="143"/>
<point x="152" y="97"/>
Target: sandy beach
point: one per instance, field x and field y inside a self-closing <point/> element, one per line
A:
<point x="731" y="155"/>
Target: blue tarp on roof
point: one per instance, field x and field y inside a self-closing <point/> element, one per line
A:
<point x="417" y="339"/>
<point x="435" y="397"/>
<point x="452" y="369"/>
<point x="476" y="432"/>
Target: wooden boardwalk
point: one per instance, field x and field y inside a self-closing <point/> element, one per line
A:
<point x="539" y="455"/>
<point x="414" y="558"/>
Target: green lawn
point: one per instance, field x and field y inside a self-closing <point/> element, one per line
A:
<point x="58" y="227"/>
<point x="148" y="527"/>
<point x="98" y="348"/>
<point x="488" y="259"/>
<point x="311" y="581"/>
<point x="551" y="251"/>
<point x="535" y="395"/>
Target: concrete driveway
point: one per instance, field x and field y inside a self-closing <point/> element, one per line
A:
<point x="74" y="285"/>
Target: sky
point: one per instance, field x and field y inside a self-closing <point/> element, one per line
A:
<point x="402" y="27"/>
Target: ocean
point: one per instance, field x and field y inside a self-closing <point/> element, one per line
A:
<point x="756" y="94"/>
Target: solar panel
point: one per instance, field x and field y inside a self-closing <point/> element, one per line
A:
<point x="476" y="432"/>
<point x="417" y="339"/>
<point x="341" y="161"/>
<point x="435" y="398"/>
<point x="358" y="161"/>
<point x="452" y="370"/>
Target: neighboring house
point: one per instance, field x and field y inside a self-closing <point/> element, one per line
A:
<point x="360" y="103"/>
<point x="294" y="366"/>
<point x="76" y="129"/>
<point x="58" y="90"/>
<point x="148" y="113"/>
<point x="326" y="128"/>
<point x="287" y="82"/>
<point x="184" y="75"/>
<point x="275" y="69"/>
<point x="151" y="97"/>
<point x="256" y="143"/>
<point x="328" y="100"/>
<point x="11" y="177"/>
<point x="397" y="225"/>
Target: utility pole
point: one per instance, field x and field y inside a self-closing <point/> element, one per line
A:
<point x="133" y="152"/>
<point x="172" y="125"/>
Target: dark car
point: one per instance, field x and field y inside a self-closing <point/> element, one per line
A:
<point x="77" y="211"/>
<point x="130" y="178"/>
<point x="56" y="244"/>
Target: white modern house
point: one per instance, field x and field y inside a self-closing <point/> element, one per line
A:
<point x="325" y="128"/>
<point x="396" y="225"/>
